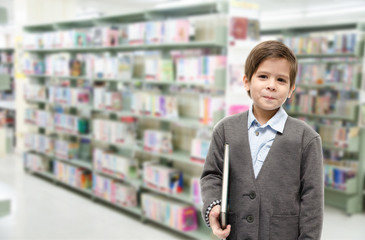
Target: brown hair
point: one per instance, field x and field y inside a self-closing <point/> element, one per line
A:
<point x="270" y="49"/>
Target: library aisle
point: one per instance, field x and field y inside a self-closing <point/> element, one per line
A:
<point x="39" y="210"/>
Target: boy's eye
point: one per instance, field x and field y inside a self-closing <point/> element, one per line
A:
<point x="281" y="80"/>
<point x="262" y="76"/>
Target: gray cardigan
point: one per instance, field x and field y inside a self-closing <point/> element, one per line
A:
<point x="285" y="201"/>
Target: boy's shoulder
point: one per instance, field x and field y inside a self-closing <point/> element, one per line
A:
<point x="232" y="120"/>
<point x="297" y="126"/>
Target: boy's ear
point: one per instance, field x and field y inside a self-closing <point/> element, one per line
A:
<point x="291" y="91"/>
<point x="246" y="83"/>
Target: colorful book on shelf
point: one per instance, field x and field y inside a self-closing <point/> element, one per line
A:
<point x="136" y="32"/>
<point x="162" y="178"/>
<point x="111" y="37"/>
<point x="199" y="150"/>
<point x="80" y="37"/>
<point x="154" y="32"/>
<point x="238" y="29"/>
<point x="157" y="141"/>
<point x="176" y="215"/>
<point x="123" y="34"/>
<point x="125" y="65"/>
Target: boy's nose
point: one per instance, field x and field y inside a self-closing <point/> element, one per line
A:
<point x="271" y="85"/>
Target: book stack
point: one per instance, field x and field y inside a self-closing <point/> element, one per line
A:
<point x="116" y="165"/>
<point x="309" y="73"/>
<point x="176" y="215"/>
<point x="199" y="150"/>
<point x="107" y="100"/>
<point x="208" y="107"/>
<point x="66" y="123"/>
<point x="105" y="66"/>
<point x="152" y="104"/>
<point x="329" y="43"/>
<point x="198" y="69"/>
<point x="125" y="63"/>
<point x="243" y="29"/>
<point x="58" y="64"/>
<point x="34" y="92"/>
<point x="33" y="65"/>
<point x="162" y="178"/>
<point x="138" y="33"/>
<point x="336" y="176"/>
<point x="154" y="32"/>
<point x="114" y="191"/>
<point x="39" y="118"/>
<point x="66" y="150"/>
<point x="39" y="143"/>
<point x="35" y="162"/>
<point x="6" y="57"/>
<point x="158" y="69"/>
<point x="74" y="176"/>
<point x="195" y="191"/>
<point x="338" y="136"/>
<point x="117" y="133"/>
<point x="157" y="141"/>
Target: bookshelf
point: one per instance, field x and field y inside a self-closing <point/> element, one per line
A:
<point x="7" y="96"/>
<point x="54" y="91"/>
<point x="329" y="96"/>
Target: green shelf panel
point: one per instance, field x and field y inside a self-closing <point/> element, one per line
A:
<point x="200" y="44"/>
<point x="48" y="175"/>
<point x="329" y="116"/>
<point x="119" y="146"/>
<point x="336" y="86"/>
<point x="34" y="101"/>
<point x="133" y="80"/>
<point x="123" y="18"/>
<point x="349" y="203"/>
<point x="201" y="233"/>
<point x="38" y="76"/>
<point x="350" y="149"/>
<point x="5" y="206"/>
<point x="135" y="210"/>
<point x="326" y="55"/>
<point x="86" y="191"/>
<point x="135" y="182"/>
<point x="196" y="9"/>
<point x="84" y="23"/>
<point x="300" y="30"/>
<point x="53" y="177"/>
<point x="76" y="162"/>
<point x="185" y="196"/>
<point x="40" y="27"/>
<point x="7" y="49"/>
<point x="178" y="156"/>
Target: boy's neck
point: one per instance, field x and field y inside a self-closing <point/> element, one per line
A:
<point x="263" y="116"/>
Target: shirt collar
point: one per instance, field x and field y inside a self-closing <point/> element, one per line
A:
<point x="277" y="122"/>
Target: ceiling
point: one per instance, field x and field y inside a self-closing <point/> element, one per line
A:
<point x="273" y="12"/>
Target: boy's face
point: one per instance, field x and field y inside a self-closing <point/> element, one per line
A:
<point x="270" y="85"/>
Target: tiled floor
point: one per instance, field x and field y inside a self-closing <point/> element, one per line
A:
<point x="41" y="210"/>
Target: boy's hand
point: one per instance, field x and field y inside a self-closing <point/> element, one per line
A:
<point x="215" y="224"/>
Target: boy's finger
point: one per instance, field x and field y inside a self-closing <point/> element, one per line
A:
<point x="220" y="233"/>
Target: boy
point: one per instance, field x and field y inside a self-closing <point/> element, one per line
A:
<point x="276" y="167"/>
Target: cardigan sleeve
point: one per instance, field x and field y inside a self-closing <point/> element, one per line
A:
<point x="211" y="178"/>
<point x="311" y="191"/>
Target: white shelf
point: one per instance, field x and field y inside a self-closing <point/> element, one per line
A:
<point x="9" y="105"/>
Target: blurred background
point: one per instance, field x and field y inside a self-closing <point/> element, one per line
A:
<point x="107" y="109"/>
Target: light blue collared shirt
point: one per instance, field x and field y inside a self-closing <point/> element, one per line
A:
<point x="262" y="137"/>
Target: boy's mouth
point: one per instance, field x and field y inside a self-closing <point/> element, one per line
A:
<point x="269" y="98"/>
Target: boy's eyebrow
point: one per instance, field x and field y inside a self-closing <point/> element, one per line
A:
<point x="268" y="73"/>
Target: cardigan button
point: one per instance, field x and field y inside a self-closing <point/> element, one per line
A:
<point x="249" y="219"/>
<point x="252" y="195"/>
